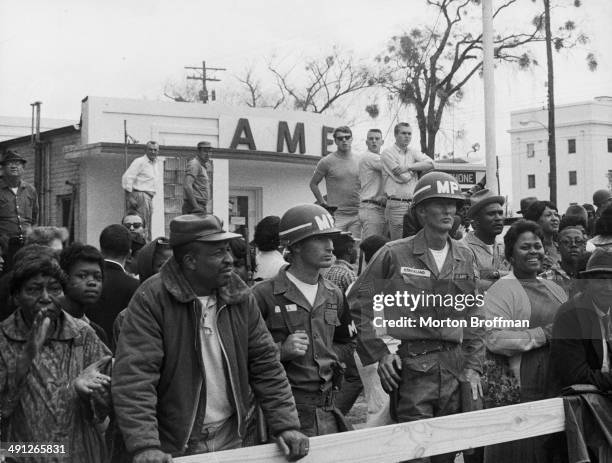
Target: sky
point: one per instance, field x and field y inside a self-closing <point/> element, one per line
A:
<point x="59" y="52"/>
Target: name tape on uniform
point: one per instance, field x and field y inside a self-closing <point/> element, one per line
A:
<point x="419" y="272"/>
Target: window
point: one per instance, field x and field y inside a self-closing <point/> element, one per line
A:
<point x="571" y="145"/>
<point x="530" y="150"/>
<point x="572" y="177"/>
<point x="609" y="145"/>
<point x="531" y="181"/>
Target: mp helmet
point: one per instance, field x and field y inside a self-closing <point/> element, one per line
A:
<point x="437" y="185"/>
<point x="306" y="220"/>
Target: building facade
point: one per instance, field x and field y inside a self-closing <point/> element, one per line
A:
<point x="583" y="152"/>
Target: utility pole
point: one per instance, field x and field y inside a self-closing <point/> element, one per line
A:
<point x="552" y="148"/>
<point x="204" y="78"/>
<point x="488" y="53"/>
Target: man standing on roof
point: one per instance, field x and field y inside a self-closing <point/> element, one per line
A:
<point x="401" y="168"/>
<point x="196" y="186"/>
<point x="140" y="184"/>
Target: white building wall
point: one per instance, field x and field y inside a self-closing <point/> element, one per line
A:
<point x="590" y="124"/>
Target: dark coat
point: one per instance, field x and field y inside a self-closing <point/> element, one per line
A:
<point x="159" y="373"/>
<point x="576" y="347"/>
<point x="117" y="290"/>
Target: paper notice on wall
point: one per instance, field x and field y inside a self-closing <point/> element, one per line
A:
<point x="236" y="220"/>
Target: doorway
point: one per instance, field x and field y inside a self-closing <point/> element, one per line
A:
<point x="245" y="210"/>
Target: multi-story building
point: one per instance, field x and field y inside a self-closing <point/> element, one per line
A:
<point x="583" y="152"/>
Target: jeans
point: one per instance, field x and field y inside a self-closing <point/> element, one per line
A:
<point x="348" y="221"/>
<point x="394" y="213"/>
<point x="372" y="218"/>
<point x="223" y="436"/>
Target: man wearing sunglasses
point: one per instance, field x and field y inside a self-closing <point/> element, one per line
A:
<point x="340" y="170"/>
<point x="401" y="166"/>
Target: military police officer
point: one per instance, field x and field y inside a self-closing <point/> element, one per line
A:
<point x="436" y="350"/>
<point x="301" y="310"/>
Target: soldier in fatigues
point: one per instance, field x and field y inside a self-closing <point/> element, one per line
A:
<point x="424" y="377"/>
<point x="302" y="310"/>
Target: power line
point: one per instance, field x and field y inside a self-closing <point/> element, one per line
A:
<point x="203" y="78"/>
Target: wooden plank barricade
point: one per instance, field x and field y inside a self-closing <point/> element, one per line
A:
<point x="405" y="441"/>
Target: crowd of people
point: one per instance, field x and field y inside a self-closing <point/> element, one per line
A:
<point x="145" y="349"/>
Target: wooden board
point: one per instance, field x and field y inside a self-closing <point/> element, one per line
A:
<point x="406" y="441"/>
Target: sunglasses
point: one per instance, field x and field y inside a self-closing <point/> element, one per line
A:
<point x="344" y="137"/>
<point x="135" y="226"/>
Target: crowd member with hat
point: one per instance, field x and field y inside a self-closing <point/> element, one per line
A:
<point x="581" y="333"/>
<point x="425" y="373"/>
<point x="140" y="184"/>
<point x="545" y="214"/>
<point x="401" y="165"/>
<point x="196" y="186"/>
<point x="18" y="204"/>
<point x="487" y="216"/>
<point x="192" y="351"/>
<point x="302" y="310"/>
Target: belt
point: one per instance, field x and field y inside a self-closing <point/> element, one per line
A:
<point x="314" y="399"/>
<point x="424" y="346"/>
<point x="395" y="198"/>
<point x="148" y="193"/>
<point x="371" y="201"/>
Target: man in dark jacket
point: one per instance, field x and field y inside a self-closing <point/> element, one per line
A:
<point x="117" y="287"/>
<point x="582" y="331"/>
<point x="192" y="350"/>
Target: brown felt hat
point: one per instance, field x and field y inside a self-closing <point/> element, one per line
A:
<point x="481" y="199"/>
<point x="189" y="228"/>
<point x="599" y="262"/>
<point x="11" y="155"/>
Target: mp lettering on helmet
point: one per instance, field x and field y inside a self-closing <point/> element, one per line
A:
<point x="447" y="187"/>
<point x="324" y="222"/>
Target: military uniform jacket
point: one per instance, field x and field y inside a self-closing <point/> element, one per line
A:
<point x="286" y="310"/>
<point x="407" y="266"/>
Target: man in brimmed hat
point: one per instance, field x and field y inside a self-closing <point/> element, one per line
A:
<point x="196" y="186"/>
<point x="487" y="215"/>
<point x="18" y="203"/>
<point x="582" y="330"/>
<point x="193" y="349"/>
<point x="302" y="309"/>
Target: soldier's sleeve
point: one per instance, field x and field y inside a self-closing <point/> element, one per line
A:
<point x="370" y="347"/>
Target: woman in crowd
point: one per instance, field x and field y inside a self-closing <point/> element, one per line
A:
<point x="518" y="357"/>
<point x="545" y="214"/>
<point x="53" y="237"/>
<point x="244" y="264"/>
<point x="51" y="386"/>
<point x="267" y="241"/>
<point x="603" y="231"/>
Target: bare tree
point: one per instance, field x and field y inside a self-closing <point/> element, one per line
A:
<point x="255" y="94"/>
<point x="428" y="67"/>
<point x="325" y="81"/>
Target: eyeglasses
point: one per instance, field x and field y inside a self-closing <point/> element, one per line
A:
<point x="570" y="242"/>
<point x="13" y="163"/>
<point x="54" y="289"/>
<point x="135" y="226"/>
<point x="344" y="137"/>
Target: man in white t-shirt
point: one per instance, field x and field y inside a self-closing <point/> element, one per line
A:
<point x="302" y="309"/>
<point x="340" y="170"/>
<point x="424" y="375"/>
